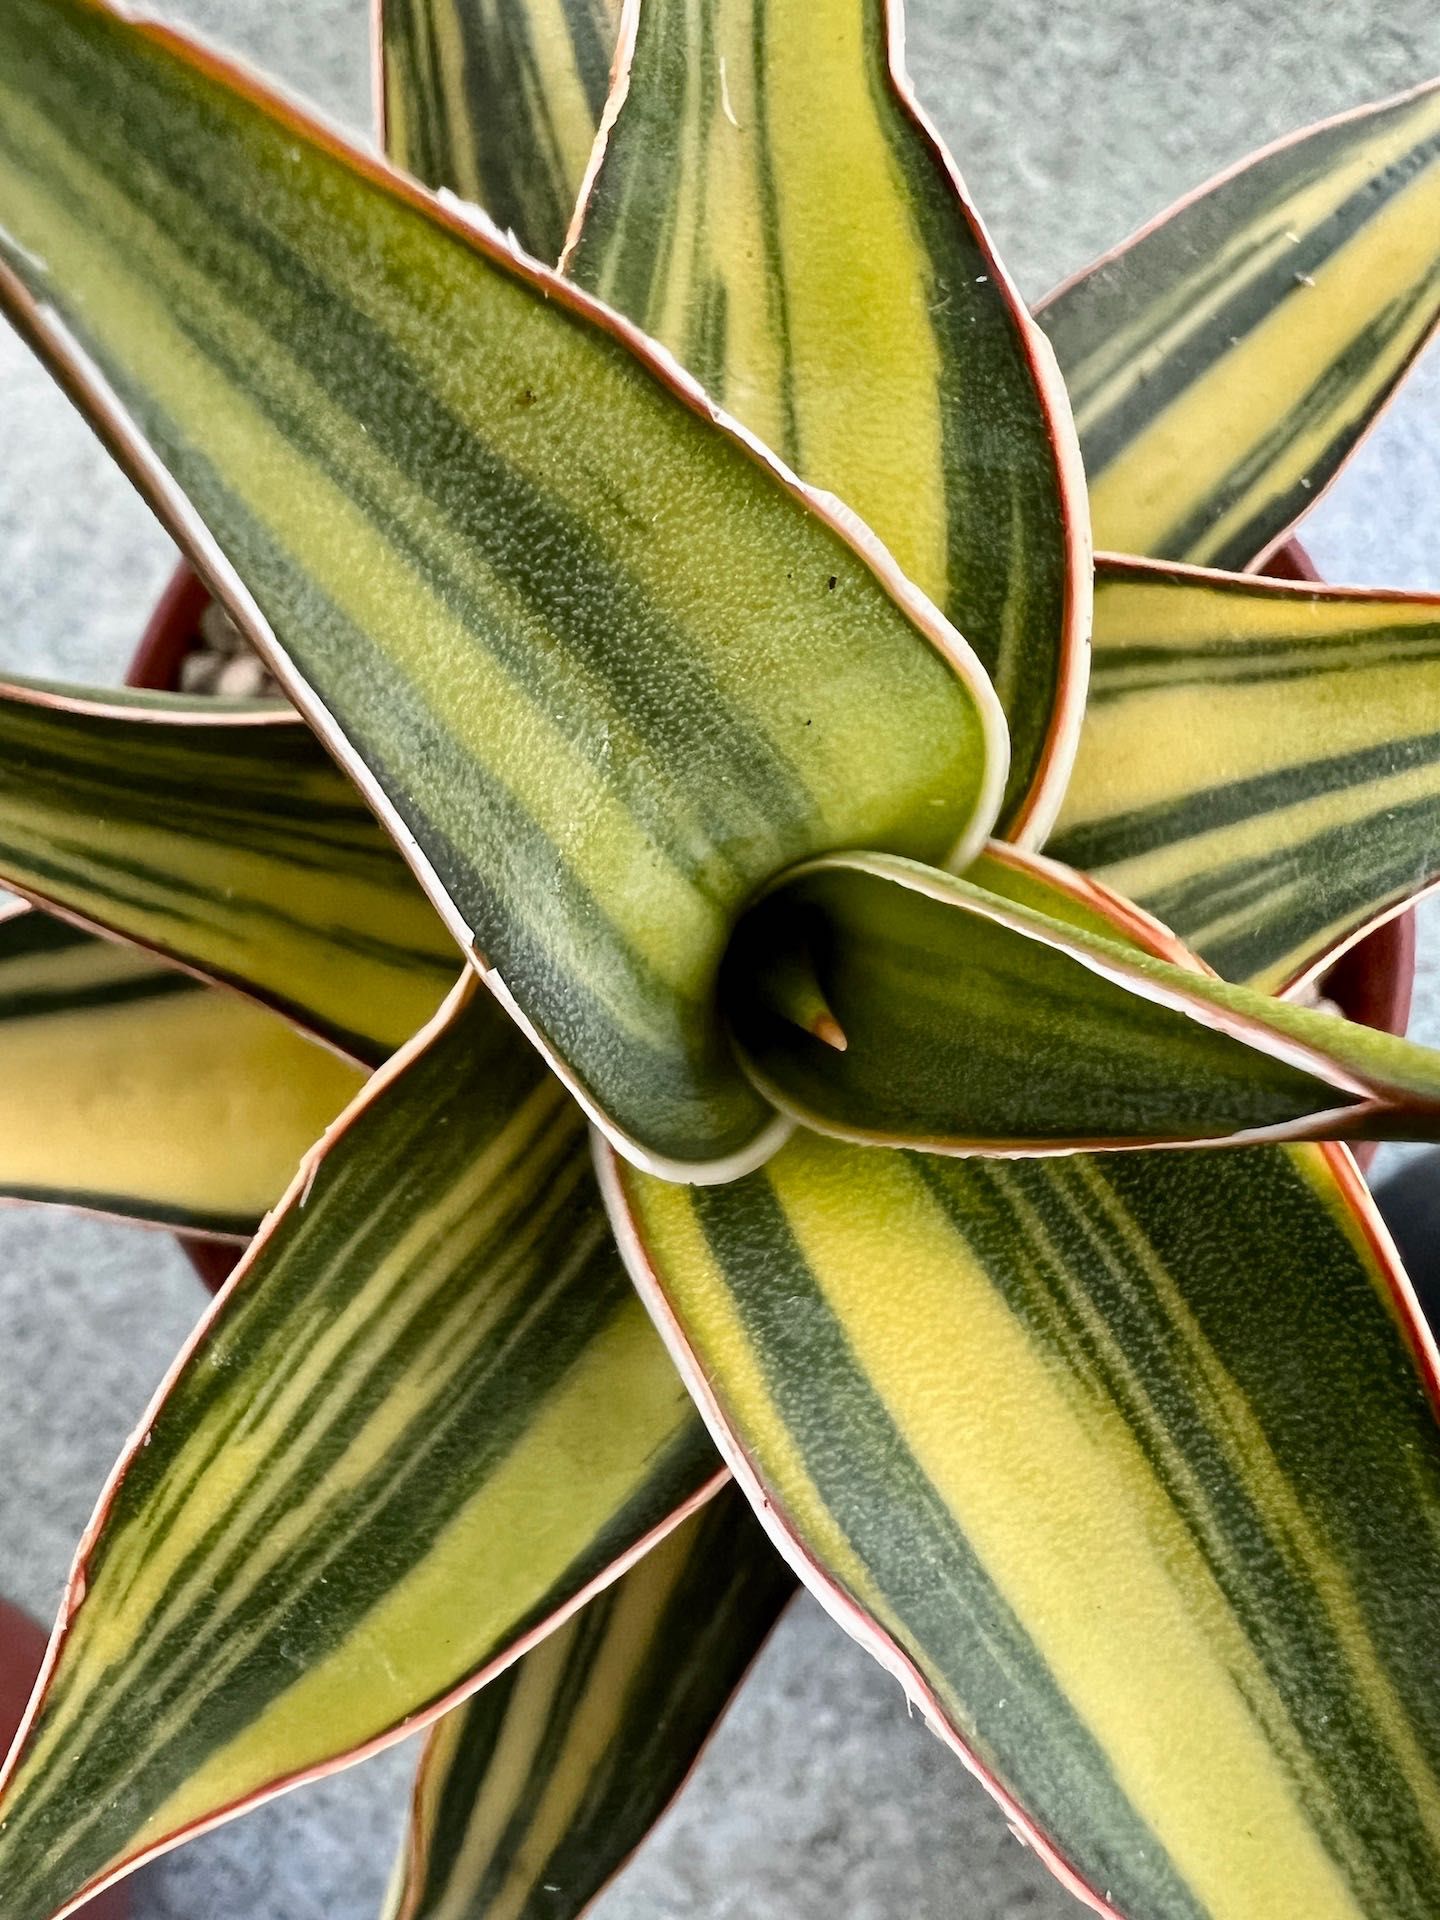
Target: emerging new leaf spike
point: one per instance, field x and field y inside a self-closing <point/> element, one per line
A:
<point x="601" y="664"/>
<point x="979" y="1023"/>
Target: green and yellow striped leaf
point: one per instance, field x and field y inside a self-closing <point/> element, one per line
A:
<point x="129" y="1088"/>
<point x="499" y="101"/>
<point x="1260" y="762"/>
<point x="601" y="666"/>
<point x="228" y="840"/>
<point x="954" y="1016"/>
<point x="1128" y="1467"/>
<point x="1224" y="361"/>
<point x="772" y="205"/>
<point x="425" y="1420"/>
<point x="532" y="1795"/>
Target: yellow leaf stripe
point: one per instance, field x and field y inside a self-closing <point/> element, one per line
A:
<point x="1127" y="1465"/>
<point x="131" y="1089"/>
<point x="479" y="524"/>
<point x="962" y="1019"/>
<point x="1260" y="762"/>
<point x="531" y="1796"/>
<point x="771" y="204"/>
<point x="1224" y="361"/>
<point x="499" y="101"/>
<point x="228" y="841"/>
<point x="277" y="1581"/>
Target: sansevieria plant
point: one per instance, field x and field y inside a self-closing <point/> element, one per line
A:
<point x="678" y="1106"/>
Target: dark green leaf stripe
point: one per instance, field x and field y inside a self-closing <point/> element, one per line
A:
<point x="481" y="529"/>
<point x="772" y="205"/>
<point x="534" y="1794"/>
<point x="499" y="100"/>
<point x="1224" y="362"/>
<point x="967" y="1021"/>
<point x="227" y="840"/>
<point x="277" y="1578"/>
<point x="129" y="1088"/>
<point x="1127" y="1466"/>
<point x="1260" y="762"/>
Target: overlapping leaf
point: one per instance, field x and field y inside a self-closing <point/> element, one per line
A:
<point x="532" y="1795"/>
<point x="1127" y="1465"/>
<point x="499" y="101"/>
<point x="1224" y="361"/>
<point x="465" y="1423"/>
<point x="228" y="840"/>
<point x="600" y="666"/>
<point x="1260" y="764"/>
<point x="771" y="204"/>
<point x="959" y="1017"/>
<point x="130" y="1088"/>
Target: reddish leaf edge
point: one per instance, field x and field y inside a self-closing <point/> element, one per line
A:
<point x="221" y="1242"/>
<point x="1137" y="567"/>
<point x="84" y="700"/>
<point x="162" y="709"/>
<point x="1223" y="178"/>
<point x="847" y="1613"/>
<point x="415" y="1827"/>
<point x="1040" y="806"/>
<point x="88" y="388"/>
<point x="77" y="1580"/>
<point x="1373" y="1096"/>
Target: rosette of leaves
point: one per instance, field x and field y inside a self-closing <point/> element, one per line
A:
<point x="614" y="546"/>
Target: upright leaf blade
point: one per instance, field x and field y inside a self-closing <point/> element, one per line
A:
<point x="1260" y="762"/>
<point x="1127" y="1466"/>
<point x="130" y="1088"/>
<point x="478" y="522"/>
<point x="531" y="1796"/>
<point x="498" y="100"/>
<point x="961" y="1018"/>
<point x="1224" y="362"/>
<point x="230" y="842"/>
<point x="771" y="204"/>
<point x="466" y="1426"/>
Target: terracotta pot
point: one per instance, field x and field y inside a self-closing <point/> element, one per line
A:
<point x="1372" y="983"/>
<point x="22" y="1648"/>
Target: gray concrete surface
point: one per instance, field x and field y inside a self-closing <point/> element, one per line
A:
<point x="1073" y="119"/>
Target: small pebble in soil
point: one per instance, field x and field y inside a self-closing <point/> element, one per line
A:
<point x="225" y="664"/>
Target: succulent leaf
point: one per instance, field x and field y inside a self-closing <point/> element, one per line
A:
<point x="1128" y="1466"/>
<point x="228" y="840"/>
<point x="772" y="205"/>
<point x="536" y="1791"/>
<point x="966" y="1020"/>
<point x="498" y="101"/>
<point x="466" y="1426"/>
<point x="130" y="1088"/>
<point x="1225" y="360"/>
<point x="1260" y="762"/>
<point x="601" y="666"/>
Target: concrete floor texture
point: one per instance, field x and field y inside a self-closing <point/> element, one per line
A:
<point x="1073" y="120"/>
